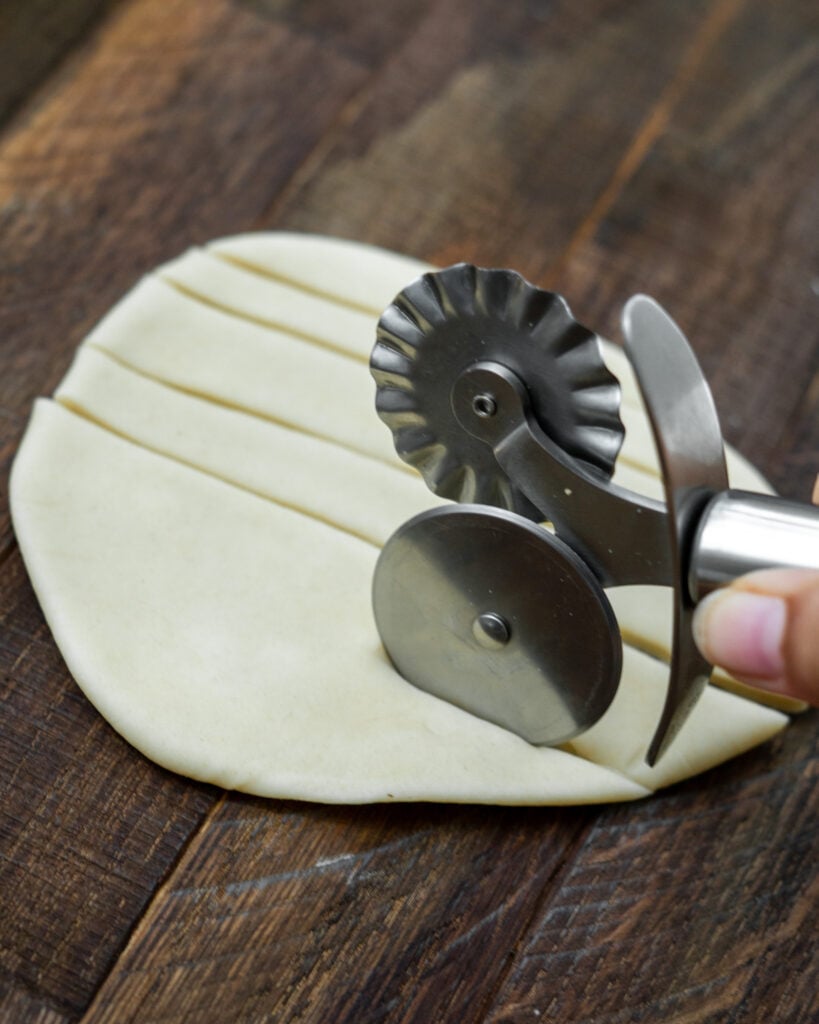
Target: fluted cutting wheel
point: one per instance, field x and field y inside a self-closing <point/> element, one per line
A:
<point x="448" y="320"/>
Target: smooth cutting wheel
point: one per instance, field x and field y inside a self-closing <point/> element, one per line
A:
<point x="447" y="321"/>
<point x="483" y="608"/>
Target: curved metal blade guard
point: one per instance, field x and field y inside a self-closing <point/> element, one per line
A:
<point x="503" y="402"/>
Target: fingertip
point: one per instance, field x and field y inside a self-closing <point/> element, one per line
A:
<point x="764" y="630"/>
<point x="744" y="633"/>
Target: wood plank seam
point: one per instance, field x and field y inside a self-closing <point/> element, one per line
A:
<point x="157" y="896"/>
<point x="652" y="127"/>
<point x="314" y="160"/>
<point x="7" y="549"/>
<point x="51" y="69"/>
<point x="561" y="870"/>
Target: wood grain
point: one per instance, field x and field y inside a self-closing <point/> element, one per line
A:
<point x="530" y="103"/>
<point x="600" y="148"/>
<point x="34" y="37"/>
<point x="638" y="929"/>
<point x="407" y="905"/>
<point x="721" y="223"/>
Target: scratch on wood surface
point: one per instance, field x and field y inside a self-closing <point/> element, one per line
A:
<point x="722" y="15"/>
<point x="341" y="858"/>
<point x="351" y="862"/>
<point x="247" y="885"/>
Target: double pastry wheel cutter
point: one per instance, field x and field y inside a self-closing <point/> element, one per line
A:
<point x="502" y="401"/>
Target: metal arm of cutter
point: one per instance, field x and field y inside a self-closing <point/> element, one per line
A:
<point x="624" y="537"/>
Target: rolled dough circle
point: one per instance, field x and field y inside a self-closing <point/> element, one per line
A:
<point x="200" y="507"/>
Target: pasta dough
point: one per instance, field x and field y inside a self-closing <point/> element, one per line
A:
<point x="200" y="508"/>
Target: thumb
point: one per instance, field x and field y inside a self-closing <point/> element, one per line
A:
<point x="764" y="629"/>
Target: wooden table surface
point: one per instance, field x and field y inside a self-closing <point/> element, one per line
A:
<point x="600" y="148"/>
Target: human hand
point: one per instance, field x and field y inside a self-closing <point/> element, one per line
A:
<point x="764" y="629"/>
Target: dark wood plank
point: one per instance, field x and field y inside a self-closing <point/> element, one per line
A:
<point x="295" y="912"/>
<point x="17" y="1006"/>
<point x="698" y="905"/>
<point x="494" y="131"/>
<point x="799" y="448"/>
<point x="88" y="827"/>
<point x="720" y="222"/>
<point x="34" y="36"/>
<point x="11" y="429"/>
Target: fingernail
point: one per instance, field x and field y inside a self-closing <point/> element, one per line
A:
<point x="742" y="632"/>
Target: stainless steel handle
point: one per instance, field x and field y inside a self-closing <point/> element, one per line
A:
<point x="739" y="532"/>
